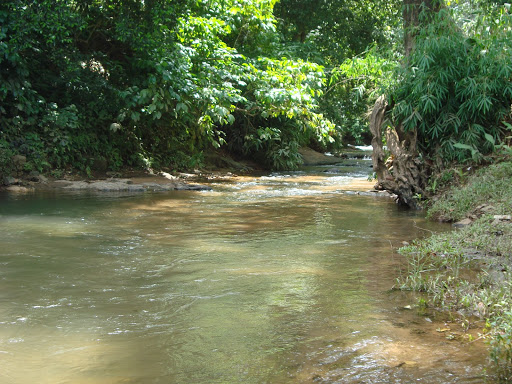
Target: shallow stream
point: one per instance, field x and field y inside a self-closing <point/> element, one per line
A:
<point x="282" y="278"/>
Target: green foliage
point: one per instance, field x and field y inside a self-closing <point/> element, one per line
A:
<point x="455" y="89"/>
<point x="211" y="91"/>
<point x="176" y="78"/>
<point x="353" y="86"/>
<point x="354" y="40"/>
<point x="148" y="83"/>
<point x="56" y="101"/>
<point x="276" y="148"/>
<point x="6" y="154"/>
<point x="501" y="344"/>
<point x="333" y="31"/>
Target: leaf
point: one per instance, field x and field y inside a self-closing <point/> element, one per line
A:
<point x="181" y="106"/>
<point x="135" y="116"/>
<point x="463" y="146"/>
<point x="490" y="138"/>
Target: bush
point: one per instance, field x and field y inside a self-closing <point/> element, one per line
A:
<point x="455" y="89"/>
<point x="6" y="165"/>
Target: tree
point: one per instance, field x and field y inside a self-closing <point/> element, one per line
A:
<point x="340" y="35"/>
<point x="151" y="83"/>
<point x="406" y="178"/>
<point x="453" y="94"/>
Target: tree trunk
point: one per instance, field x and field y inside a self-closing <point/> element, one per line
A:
<point x="399" y="169"/>
<point x="411" y="19"/>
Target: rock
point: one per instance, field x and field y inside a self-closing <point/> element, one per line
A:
<point x="463" y="223"/>
<point x="312" y="157"/>
<point x="9" y="180"/>
<point x="33" y="176"/>
<point x="19" y="161"/>
<point x="332" y="170"/>
<point x="192" y="187"/>
<point x="408" y="363"/>
<point x="19" y="189"/>
<point x="483" y="209"/>
<point x="223" y="160"/>
<point x="501" y="219"/>
<point x="127" y="185"/>
<point x="105" y="186"/>
<point x="62" y="183"/>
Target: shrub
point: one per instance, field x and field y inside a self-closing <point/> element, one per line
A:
<point x="455" y="89"/>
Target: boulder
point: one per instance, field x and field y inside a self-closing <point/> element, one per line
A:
<point x="312" y="157"/>
<point x="463" y="223"/>
<point x="9" y="180"/>
<point x="18" y="162"/>
<point x="33" y="176"/>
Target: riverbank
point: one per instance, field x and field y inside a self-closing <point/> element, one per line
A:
<point x="218" y="166"/>
<point x="467" y="272"/>
<point x="125" y="181"/>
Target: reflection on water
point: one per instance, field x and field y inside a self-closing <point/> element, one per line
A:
<point x="278" y="279"/>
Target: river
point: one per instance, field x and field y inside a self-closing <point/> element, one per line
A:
<point x="280" y="278"/>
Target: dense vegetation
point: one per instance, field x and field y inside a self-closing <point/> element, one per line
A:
<point x="99" y="83"/>
<point x="157" y="83"/>
<point x="456" y="89"/>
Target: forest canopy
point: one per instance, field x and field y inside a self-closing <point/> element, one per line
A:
<point x="159" y="83"/>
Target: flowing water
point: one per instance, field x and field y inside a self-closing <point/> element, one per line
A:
<point x="271" y="279"/>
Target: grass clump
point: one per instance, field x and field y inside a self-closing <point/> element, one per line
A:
<point x="487" y="185"/>
<point x="468" y="271"/>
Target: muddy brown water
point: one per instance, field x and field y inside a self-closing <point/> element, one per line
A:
<point x="271" y="279"/>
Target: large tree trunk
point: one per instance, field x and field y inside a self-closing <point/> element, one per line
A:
<point x="411" y="19"/>
<point x="399" y="169"/>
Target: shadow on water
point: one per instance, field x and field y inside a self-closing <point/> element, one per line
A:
<point x="274" y="279"/>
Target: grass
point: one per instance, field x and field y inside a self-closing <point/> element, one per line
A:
<point x="490" y="184"/>
<point x="468" y="271"/>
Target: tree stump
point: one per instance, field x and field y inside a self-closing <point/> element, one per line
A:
<point x="398" y="167"/>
